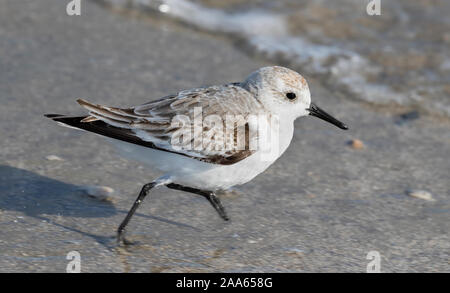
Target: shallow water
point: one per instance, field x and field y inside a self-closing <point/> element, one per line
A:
<point x="400" y="57"/>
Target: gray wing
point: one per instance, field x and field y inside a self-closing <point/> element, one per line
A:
<point x="169" y="123"/>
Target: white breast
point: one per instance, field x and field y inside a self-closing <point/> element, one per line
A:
<point x="194" y="173"/>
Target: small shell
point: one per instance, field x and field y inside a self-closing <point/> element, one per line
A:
<point x="422" y="194"/>
<point x="356" y="144"/>
<point x="99" y="192"/>
<point x="54" y="158"/>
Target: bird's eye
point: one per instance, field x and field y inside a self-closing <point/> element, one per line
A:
<point x="291" y="96"/>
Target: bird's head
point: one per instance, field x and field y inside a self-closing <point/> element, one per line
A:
<point x="285" y="92"/>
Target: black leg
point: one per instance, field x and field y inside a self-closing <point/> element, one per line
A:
<point x="209" y="195"/>
<point x="144" y="191"/>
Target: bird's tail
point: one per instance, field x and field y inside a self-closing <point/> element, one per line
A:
<point x="98" y="127"/>
<point x="68" y="121"/>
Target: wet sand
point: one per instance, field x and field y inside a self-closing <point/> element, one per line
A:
<point x="320" y="208"/>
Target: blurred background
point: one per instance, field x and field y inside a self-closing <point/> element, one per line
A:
<point x="332" y="198"/>
<point x="399" y="57"/>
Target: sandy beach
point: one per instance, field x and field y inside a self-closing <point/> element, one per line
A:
<point x="322" y="207"/>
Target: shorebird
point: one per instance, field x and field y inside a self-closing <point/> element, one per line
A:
<point x="213" y="154"/>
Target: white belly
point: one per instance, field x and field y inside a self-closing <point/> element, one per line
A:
<point x="194" y="173"/>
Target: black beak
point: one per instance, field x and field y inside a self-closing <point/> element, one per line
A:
<point x="319" y="113"/>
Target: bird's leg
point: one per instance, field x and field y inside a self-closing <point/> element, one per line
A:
<point x="209" y="195"/>
<point x="144" y="191"/>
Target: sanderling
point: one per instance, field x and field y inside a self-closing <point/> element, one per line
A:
<point x="213" y="154"/>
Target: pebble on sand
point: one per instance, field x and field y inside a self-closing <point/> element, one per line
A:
<point x="99" y="192"/>
<point x="422" y="194"/>
<point x="54" y="158"/>
<point x="356" y="144"/>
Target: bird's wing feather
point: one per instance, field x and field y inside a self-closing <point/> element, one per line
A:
<point x="165" y="122"/>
